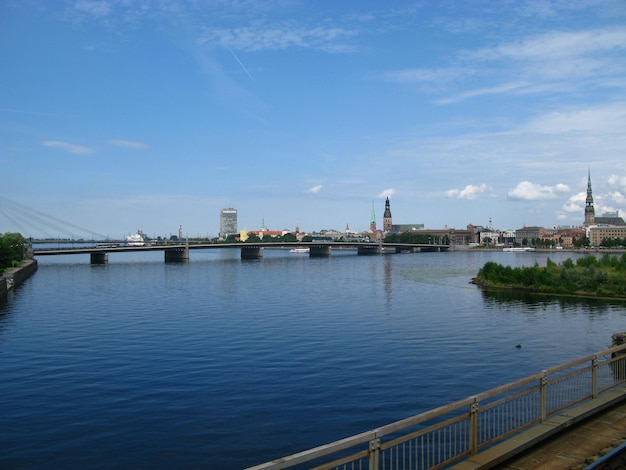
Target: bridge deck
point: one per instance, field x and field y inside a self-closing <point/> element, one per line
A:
<point x="576" y="448"/>
<point x="204" y="246"/>
<point x="570" y="441"/>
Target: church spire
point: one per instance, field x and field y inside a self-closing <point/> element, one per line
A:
<point x="387" y="223"/>
<point x="373" y="219"/>
<point x="590" y="213"/>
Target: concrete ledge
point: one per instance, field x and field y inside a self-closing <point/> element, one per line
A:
<point x="15" y="276"/>
<point x="523" y="441"/>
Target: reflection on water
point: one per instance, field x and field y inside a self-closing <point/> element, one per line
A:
<point x="387" y="279"/>
<point x="534" y="300"/>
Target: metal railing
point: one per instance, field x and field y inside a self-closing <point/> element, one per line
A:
<point x="445" y="435"/>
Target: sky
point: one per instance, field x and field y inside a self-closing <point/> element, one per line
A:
<point x="119" y="115"/>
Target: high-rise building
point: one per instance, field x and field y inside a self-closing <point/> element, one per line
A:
<point x="590" y="213"/>
<point x="387" y="223"/>
<point x="228" y="222"/>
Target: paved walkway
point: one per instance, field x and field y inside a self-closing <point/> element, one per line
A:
<point x="578" y="446"/>
<point x="569" y="441"/>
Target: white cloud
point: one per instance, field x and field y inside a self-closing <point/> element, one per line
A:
<point x="469" y="192"/>
<point x="575" y="203"/>
<point x="279" y="36"/>
<point x="314" y="189"/>
<point x="619" y="181"/>
<point x="557" y="45"/>
<point x="514" y="87"/>
<point x="525" y="190"/>
<point x="554" y="62"/>
<point x="71" y="148"/>
<point x="618" y="197"/>
<point x="431" y="76"/>
<point x="604" y="209"/>
<point x="605" y="119"/>
<point x="93" y="7"/>
<point x="131" y="144"/>
<point x="387" y="193"/>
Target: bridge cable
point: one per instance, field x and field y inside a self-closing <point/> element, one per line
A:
<point x="37" y="218"/>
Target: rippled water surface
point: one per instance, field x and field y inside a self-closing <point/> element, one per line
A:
<point x="222" y="363"/>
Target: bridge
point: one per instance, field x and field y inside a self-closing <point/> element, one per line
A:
<point x="180" y="252"/>
<point x="490" y="429"/>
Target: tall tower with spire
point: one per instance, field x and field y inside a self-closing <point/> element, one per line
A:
<point x="590" y="213"/>
<point x="387" y="224"/>
<point x="373" y="219"/>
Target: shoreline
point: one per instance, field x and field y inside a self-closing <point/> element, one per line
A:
<point x="13" y="277"/>
<point x="541" y="250"/>
<point x="527" y="290"/>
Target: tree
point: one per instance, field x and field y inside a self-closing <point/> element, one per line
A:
<point x="289" y="237"/>
<point x="253" y="238"/>
<point x="392" y="238"/>
<point x="11" y="249"/>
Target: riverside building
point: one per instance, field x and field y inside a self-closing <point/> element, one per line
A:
<point x="228" y="222"/>
<point x="598" y="233"/>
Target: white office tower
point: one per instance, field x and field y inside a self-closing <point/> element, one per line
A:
<point x="228" y="222"/>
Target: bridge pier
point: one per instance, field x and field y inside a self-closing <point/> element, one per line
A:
<point x="99" y="257"/>
<point x="177" y="255"/>
<point x="368" y="250"/>
<point x="319" y="251"/>
<point x="251" y="252"/>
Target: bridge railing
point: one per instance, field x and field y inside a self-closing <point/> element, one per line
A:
<point x="445" y="435"/>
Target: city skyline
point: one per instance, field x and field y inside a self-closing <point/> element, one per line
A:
<point x="229" y="225"/>
<point x="120" y="116"/>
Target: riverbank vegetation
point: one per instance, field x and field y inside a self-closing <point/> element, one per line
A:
<point x="590" y="276"/>
<point x="420" y="238"/>
<point x="11" y="250"/>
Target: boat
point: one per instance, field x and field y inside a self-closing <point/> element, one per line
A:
<point x="519" y="249"/>
<point x="135" y="239"/>
<point x="299" y="250"/>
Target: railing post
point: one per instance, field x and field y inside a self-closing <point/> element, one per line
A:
<point x="543" y="392"/>
<point x="594" y="377"/>
<point x="473" y="437"/>
<point x="374" y="454"/>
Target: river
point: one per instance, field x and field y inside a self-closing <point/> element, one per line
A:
<point x="224" y="363"/>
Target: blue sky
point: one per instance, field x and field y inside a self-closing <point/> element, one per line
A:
<point x="118" y="115"/>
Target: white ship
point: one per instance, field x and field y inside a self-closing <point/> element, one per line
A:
<point x="135" y="239"/>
